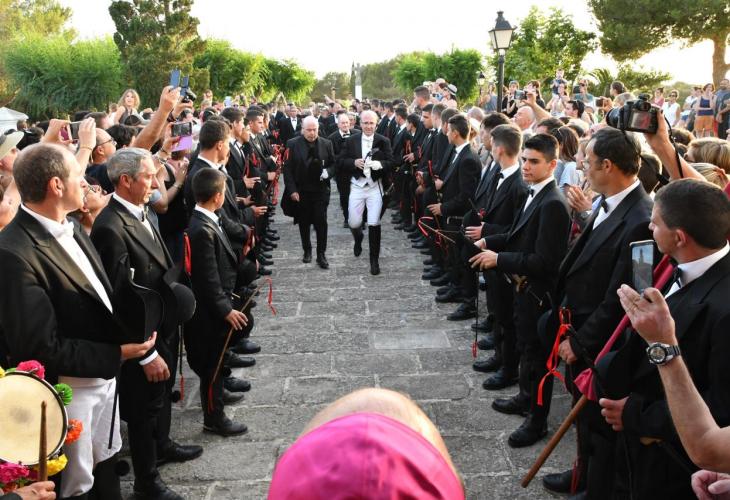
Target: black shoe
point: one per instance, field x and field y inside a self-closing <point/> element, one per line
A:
<point x="266" y="248"/>
<point x="414" y="235"/>
<point x="432" y="274"/>
<point x="519" y="404"/>
<point x="500" y="380"/>
<point x="464" y="311"/>
<point x="238" y="361"/>
<point x="235" y="384"/>
<point x="488" y="365"/>
<point x="154" y="490"/>
<point x="429" y="262"/>
<point x="443" y="289"/>
<point x="178" y="453"/>
<point x="345" y="225"/>
<point x="399" y="227"/>
<point x="265" y="254"/>
<point x="527" y="434"/>
<point x="225" y="427"/>
<point x="559" y="482"/>
<point x="272" y="236"/>
<point x="374" y="266"/>
<point x="486" y="343"/>
<point x="450" y="297"/>
<point x="421" y="245"/>
<point x="264" y="272"/>
<point x="425" y="251"/>
<point x="483" y="326"/>
<point x="357" y="248"/>
<point x="413" y="228"/>
<point x="246" y="346"/>
<point x="265" y="262"/>
<point x="322" y="261"/>
<point x="307" y="258"/>
<point x="270" y="243"/>
<point x="442" y="280"/>
<point x="231" y="397"/>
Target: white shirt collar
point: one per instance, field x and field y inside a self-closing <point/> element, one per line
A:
<point x="693" y="270"/>
<point x="400" y="129"/>
<point x="206" y="160"/>
<point x="342" y="134"/>
<point x="133" y="209"/>
<point x="56" y="229"/>
<point x="506" y="172"/>
<point x="367" y="138"/>
<point x="457" y="149"/>
<point x="615" y="200"/>
<point x="536" y="188"/>
<point x="211" y="215"/>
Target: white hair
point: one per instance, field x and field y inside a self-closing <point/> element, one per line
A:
<point x="371" y="112"/>
<point x="309" y="120"/>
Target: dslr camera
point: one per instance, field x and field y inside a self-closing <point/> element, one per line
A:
<point x="635" y="116"/>
<point x="185" y="92"/>
<point x="520" y="95"/>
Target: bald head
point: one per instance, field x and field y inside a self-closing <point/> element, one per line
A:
<point x="368" y="121"/>
<point x="524" y="117"/>
<point x="310" y="128"/>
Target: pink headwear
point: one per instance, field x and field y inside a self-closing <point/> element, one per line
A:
<point x="364" y="455"/>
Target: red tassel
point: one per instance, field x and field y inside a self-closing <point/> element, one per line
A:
<point x="182" y="388"/>
<point x="188" y="263"/>
<point x="210" y="397"/>
<point x="474" y="349"/>
<point x="554" y="358"/>
<point x="270" y="298"/>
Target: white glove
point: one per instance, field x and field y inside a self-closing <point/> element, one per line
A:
<point x="366" y="170"/>
<point x="325" y="175"/>
<point x="374" y="165"/>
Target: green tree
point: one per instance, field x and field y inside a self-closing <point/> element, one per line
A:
<point x="231" y="71"/>
<point x="378" y="81"/>
<point x="24" y="18"/>
<point x="287" y="77"/>
<point x="542" y="44"/>
<point x="410" y="72"/>
<point x="55" y="78"/>
<point x="632" y="29"/>
<point x="323" y="86"/>
<point x="636" y="79"/>
<point x="154" y="37"/>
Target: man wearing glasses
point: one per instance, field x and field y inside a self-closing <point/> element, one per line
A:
<point x="104" y="148"/>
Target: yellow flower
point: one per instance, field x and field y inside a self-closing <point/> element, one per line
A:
<point x="57" y="465"/>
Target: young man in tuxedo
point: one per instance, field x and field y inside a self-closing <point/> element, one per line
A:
<point x="126" y="239"/>
<point x="56" y="307"/>
<point x="530" y="254"/>
<point x="596" y="265"/>
<point x="289" y="125"/>
<point x="457" y="183"/>
<point x="307" y="172"/>
<point x="690" y="223"/>
<point x="367" y="159"/>
<point x="214" y="274"/>
<point x="508" y="194"/>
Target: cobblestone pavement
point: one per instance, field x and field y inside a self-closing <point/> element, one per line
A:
<point x="340" y="329"/>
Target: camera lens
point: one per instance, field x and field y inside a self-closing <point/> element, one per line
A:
<point x="612" y="117"/>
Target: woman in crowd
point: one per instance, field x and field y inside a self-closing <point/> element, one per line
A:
<point x="671" y="108"/>
<point x="704" y="114"/>
<point x="710" y="150"/>
<point x="566" y="173"/>
<point x="95" y="199"/>
<point x="128" y="105"/>
<point x="556" y="105"/>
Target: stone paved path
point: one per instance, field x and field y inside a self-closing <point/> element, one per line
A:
<point x="341" y="329"/>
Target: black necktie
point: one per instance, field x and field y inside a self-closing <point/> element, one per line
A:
<point x="677" y="277"/>
<point x="145" y="215"/>
<point x="602" y="204"/>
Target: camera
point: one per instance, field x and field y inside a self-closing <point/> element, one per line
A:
<point x="182" y="129"/>
<point x="635" y="116"/>
<point x="185" y="92"/>
<point x="519" y="95"/>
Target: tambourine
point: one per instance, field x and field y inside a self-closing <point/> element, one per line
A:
<point x="21" y="394"/>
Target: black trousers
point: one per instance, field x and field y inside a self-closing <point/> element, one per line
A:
<point x="162" y="431"/>
<point x="343" y="189"/>
<point x="312" y="210"/>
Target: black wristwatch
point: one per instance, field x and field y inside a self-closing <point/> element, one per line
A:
<point x="661" y="354"/>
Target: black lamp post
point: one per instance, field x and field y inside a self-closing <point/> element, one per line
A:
<point x="480" y="81"/>
<point x="501" y="36"/>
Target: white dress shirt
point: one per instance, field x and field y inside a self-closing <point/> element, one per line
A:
<point x="64" y="235"/>
<point x="506" y="172"/>
<point x="211" y="215"/>
<point x="222" y="168"/>
<point x="693" y="270"/>
<point x="613" y="202"/>
<point x="137" y="211"/>
<point x="536" y="188"/>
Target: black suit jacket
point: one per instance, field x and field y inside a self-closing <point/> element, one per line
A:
<point x="300" y="174"/>
<point x="236" y="167"/>
<point x="286" y="130"/>
<point x="505" y="204"/>
<point x="536" y="242"/>
<point x="353" y="151"/>
<point x="338" y="146"/>
<point x="48" y="309"/>
<point x="701" y="316"/>
<point x="460" y="178"/>
<point x="597" y="264"/>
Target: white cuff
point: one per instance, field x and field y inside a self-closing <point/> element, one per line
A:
<point x="375" y="165"/>
<point x="149" y="359"/>
<point x="325" y="175"/>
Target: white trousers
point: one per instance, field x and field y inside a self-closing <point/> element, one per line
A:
<point x="92" y="405"/>
<point x="359" y="198"/>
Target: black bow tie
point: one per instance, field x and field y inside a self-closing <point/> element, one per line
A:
<point x="501" y="176"/>
<point x="531" y="192"/>
<point x="603" y="204"/>
<point x="677" y="276"/>
<point x="145" y="214"/>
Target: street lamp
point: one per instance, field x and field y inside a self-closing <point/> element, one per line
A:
<point x="480" y="81"/>
<point x="501" y="36"/>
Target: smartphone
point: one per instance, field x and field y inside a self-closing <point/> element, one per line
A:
<point x="74" y="126"/>
<point x="642" y="264"/>
<point x="175" y="78"/>
<point x="228" y="102"/>
<point x="182" y="129"/>
<point x="519" y="95"/>
<point x="185" y="82"/>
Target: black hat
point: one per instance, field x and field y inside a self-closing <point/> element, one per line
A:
<point x="139" y="309"/>
<point x="178" y="296"/>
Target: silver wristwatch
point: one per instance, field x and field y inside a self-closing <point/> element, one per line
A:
<point x="661" y="354"/>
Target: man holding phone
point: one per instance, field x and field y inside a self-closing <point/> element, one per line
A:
<point x="690" y="222"/>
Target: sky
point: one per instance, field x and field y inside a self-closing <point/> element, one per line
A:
<point x="327" y="35"/>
